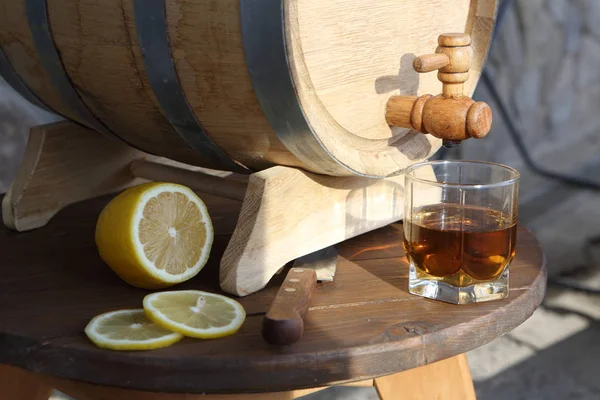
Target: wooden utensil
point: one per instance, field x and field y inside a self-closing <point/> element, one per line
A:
<point x="284" y="322"/>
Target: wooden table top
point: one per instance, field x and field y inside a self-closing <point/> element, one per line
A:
<point x="362" y="325"/>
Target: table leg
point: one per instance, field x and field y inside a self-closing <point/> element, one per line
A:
<point x="449" y="379"/>
<point x="84" y="391"/>
<point x="16" y="383"/>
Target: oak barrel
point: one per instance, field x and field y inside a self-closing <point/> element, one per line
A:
<point x="240" y="84"/>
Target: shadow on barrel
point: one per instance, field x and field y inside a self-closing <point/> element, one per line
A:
<point x="414" y="145"/>
<point x="406" y="81"/>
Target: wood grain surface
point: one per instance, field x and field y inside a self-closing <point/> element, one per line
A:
<point x="17" y="384"/>
<point x="288" y="213"/>
<point x="448" y="379"/>
<point x="364" y="324"/>
<point x="344" y="78"/>
<point x="18" y="45"/>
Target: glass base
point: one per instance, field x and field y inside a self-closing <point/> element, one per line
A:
<point x="437" y="289"/>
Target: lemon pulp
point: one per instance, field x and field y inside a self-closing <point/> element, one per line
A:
<point x="195" y="313"/>
<point x="128" y="330"/>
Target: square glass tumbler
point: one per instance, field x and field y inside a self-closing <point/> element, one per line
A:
<point x="460" y="229"/>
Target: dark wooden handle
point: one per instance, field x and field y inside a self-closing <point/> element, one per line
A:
<point x="430" y="62"/>
<point x="284" y="322"/>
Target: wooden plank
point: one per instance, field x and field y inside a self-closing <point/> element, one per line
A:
<point x="448" y="379"/>
<point x="18" y="384"/>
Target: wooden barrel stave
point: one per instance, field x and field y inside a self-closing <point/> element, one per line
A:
<point x="99" y="50"/>
<point x="160" y="67"/>
<point x="17" y="44"/>
<point x="206" y="42"/>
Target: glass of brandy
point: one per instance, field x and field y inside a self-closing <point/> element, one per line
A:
<point x="460" y="229"/>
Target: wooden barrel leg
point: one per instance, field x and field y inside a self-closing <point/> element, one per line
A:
<point x="273" y="229"/>
<point x="16" y="384"/>
<point x="449" y="379"/>
<point x="64" y="163"/>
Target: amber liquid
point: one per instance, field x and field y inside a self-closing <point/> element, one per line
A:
<point x="459" y="245"/>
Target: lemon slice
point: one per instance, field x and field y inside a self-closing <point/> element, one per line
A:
<point x="155" y="235"/>
<point x="194" y="313"/>
<point x="128" y="330"/>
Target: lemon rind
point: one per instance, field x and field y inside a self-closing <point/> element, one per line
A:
<point x="126" y="345"/>
<point x="156" y="316"/>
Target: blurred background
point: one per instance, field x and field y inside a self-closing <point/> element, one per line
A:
<point x="543" y="73"/>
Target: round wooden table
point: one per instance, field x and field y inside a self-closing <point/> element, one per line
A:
<point x="363" y="327"/>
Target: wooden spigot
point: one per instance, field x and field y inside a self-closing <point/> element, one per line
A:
<point x="450" y="116"/>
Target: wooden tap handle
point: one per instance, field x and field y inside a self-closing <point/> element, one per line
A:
<point x="452" y="59"/>
<point x="457" y="46"/>
<point x="430" y="62"/>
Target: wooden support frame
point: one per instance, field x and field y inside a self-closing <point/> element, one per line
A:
<point x="18" y="384"/>
<point x="286" y="212"/>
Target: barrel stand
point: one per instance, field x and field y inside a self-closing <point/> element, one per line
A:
<point x="286" y="213"/>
